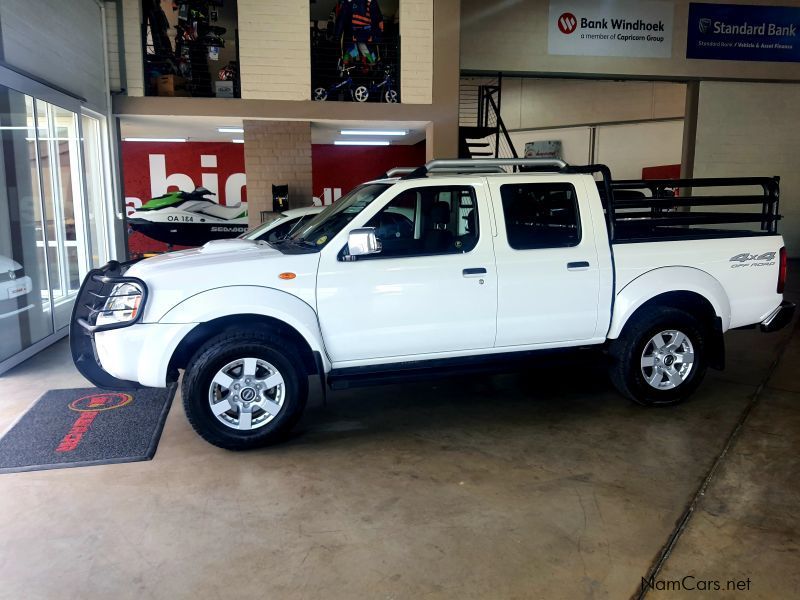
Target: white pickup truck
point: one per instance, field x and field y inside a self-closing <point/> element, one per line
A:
<point x="453" y="265"/>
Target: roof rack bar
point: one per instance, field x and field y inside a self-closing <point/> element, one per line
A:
<point x="479" y="163"/>
<point x="399" y="171"/>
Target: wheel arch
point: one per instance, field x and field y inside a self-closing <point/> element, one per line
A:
<point x="198" y="336"/>
<point x="682" y="287"/>
<point x="220" y="309"/>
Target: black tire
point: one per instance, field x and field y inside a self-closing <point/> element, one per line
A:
<point x="626" y="353"/>
<point x="227" y="347"/>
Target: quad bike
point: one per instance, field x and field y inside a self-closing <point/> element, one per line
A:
<point x="188" y="218"/>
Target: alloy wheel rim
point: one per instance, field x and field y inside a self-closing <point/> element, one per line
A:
<point x="667" y="359"/>
<point x="320" y="94"/>
<point x="246" y="394"/>
<point x="391" y="96"/>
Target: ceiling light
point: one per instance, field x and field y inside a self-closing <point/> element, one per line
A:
<point x="144" y="139"/>
<point x="361" y="143"/>
<point x="238" y="141"/>
<point x="373" y="132"/>
<point x="231" y="129"/>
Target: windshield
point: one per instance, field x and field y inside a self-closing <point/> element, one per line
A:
<point x="321" y="229"/>
<point x="255" y="234"/>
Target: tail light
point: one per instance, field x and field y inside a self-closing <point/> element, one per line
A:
<point x="782" y="271"/>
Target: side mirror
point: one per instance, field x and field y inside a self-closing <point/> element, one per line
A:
<point x="362" y="242"/>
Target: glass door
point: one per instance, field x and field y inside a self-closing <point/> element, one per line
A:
<point x="55" y="215"/>
<point x="25" y="304"/>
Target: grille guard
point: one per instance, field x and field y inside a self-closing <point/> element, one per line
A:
<point x="94" y="292"/>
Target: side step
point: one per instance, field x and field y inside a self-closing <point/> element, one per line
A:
<point x="422" y="370"/>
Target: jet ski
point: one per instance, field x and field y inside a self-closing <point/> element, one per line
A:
<point x="188" y="218"/>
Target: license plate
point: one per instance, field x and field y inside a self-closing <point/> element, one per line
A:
<point x="17" y="291"/>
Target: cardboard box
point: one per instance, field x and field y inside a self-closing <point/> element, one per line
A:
<point x="171" y="85"/>
<point x="223" y="89"/>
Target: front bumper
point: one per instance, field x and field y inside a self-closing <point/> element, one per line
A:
<point x="779" y="318"/>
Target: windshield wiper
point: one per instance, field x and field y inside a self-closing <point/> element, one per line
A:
<point x="304" y="243"/>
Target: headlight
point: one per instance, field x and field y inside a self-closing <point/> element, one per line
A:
<point x="122" y="305"/>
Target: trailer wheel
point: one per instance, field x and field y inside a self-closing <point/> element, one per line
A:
<point x="244" y="389"/>
<point x="660" y="357"/>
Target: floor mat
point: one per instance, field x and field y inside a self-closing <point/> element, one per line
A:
<point x="87" y="426"/>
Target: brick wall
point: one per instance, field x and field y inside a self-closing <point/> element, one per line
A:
<point x="132" y="32"/>
<point x="416" y="51"/>
<point x="277" y="152"/>
<point x="752" y="129"/>
<point x="275" y="49"/>
<point x="112" y="40"/>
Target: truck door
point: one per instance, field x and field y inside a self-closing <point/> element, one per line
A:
<point x="431" y="290"/>
<point x="547" y="263"/>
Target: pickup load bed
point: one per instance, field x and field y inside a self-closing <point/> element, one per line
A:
<point x="456" y="264"/>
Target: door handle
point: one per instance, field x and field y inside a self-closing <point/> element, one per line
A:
<point x="479" y="272"/>
<point x="580" y="265"/>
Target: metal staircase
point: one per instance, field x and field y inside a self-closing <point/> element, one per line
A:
<point x="482" y="133"/>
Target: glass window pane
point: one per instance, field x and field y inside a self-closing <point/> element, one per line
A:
<point x="540" y="215"/>
<point x="62" y="184"/>
<point x="25" y="308"/>
<point x="94" y="172"/>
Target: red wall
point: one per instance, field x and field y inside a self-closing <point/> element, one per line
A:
<point x="344" y="167"/>
<point x="141" y="165"/>
<point x="335" y="171"/>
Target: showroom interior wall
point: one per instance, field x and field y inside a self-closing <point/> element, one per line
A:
<point x="513" y="38"/>
<point x="628" y="125"/>
<point x="534" y="103"/>
<point x="57" y="199"/>
<point x="753" y="128"/>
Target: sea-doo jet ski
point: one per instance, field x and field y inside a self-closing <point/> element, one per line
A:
<point x="188" y="218"/>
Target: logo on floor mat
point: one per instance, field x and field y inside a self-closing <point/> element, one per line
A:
<point x="100" y="402"/>
<point x="89" y="407"/>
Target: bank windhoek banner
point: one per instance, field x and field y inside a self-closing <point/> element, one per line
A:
<point x="619" y="28"/>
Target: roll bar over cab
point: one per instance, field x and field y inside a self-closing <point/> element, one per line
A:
<point x="454" y="264"/>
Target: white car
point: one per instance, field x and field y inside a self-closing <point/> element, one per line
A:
<point x="453" y="266"/>
<point x="14" y="284"/>
<point x="279" y="228"/>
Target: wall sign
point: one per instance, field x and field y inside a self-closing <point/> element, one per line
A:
<point x="544" y="149"/>
<point x="617" y="28"/>
<point x="743" y="32"/>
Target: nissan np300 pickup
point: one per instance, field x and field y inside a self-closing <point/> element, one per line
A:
<point x="456" y="263"/>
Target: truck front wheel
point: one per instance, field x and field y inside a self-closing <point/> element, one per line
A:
<point x="660" y="357"/>
<point x="244" y="389"/>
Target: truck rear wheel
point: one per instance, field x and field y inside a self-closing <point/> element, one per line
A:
<point x="244" y="389"/>
<point x="660" y="357"/>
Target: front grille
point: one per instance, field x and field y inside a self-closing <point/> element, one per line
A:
<point x="6" y="275"/>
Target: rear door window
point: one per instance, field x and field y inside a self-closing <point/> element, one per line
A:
<point x="541" y="215"/>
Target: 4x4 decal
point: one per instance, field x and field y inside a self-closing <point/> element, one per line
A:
<point x="753" y="260"/>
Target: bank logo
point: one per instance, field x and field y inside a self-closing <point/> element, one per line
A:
<point x="567" y="23"/>
<point x="704" y="24"/>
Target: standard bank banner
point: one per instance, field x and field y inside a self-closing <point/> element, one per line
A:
<point x="743" y="32"/>
<point x="613" y="28"/>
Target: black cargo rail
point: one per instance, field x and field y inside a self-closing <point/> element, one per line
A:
<point x="671" y="208"/>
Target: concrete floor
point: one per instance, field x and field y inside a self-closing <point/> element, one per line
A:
<point x="542" y="484"/>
